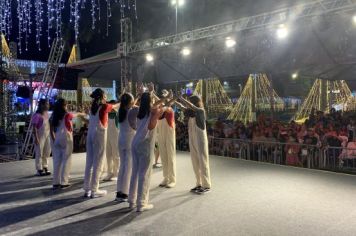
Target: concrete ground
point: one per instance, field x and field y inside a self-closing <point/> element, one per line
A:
<point x="247" y="198"/>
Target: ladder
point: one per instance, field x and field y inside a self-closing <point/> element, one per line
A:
<point x="48" y="80"/>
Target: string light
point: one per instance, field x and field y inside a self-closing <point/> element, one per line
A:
<point x="33" y="15"/>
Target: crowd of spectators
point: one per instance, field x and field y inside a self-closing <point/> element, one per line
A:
<point x="295" y="141"/>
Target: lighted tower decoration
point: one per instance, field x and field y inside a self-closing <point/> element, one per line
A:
<point x="323" y="96"/>
<point x="214" y="96"/>
<point x="257" y="96"/>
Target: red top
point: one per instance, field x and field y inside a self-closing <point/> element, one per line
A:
<point x="169" y="116"/>
<point x="103" y="114"/>
<point x="68" y="121"/>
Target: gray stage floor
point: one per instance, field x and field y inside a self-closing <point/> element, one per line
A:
<point x="247" y="199"/>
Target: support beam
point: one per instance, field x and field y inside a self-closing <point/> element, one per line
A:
<point x="315" y="8"/>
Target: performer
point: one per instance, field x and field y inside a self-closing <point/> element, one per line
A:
<point x="112" y="149"/>
<point x="167" y="144"/>
<point x="127" y="123"/>
<point x="41" y="130"/>
<point x="142" y="152"/>
<point x="62" y="143"/>
<point x="198" y="142"/>
<point x="96" y="143"/>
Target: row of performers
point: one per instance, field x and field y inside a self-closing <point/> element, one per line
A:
<point x="125" y="133"/>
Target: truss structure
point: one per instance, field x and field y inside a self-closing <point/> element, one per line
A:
<point x="309" y="9"/>
<point x="125" y="63"/>
<point x="257" y="96"/>
<point x="48" y="80"/>
<point x="214" y="95"/>
<point x="323" y="96"/>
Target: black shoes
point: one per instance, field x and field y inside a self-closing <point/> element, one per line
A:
<point x="203" y="190"/>
<point x="40" y="173"/>
<point x="121" y="197"/>
<point x="200" y="190"/>
<point x="193" y="190"/>
<point x="46" y="172"/>
<point x="63" y="186"/>
<point x="56" y="186"/>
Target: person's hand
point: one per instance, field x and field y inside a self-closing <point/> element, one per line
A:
<point x="170" y="94"/>
<point x="140" y="88"/>
<point x="151" y="87"/>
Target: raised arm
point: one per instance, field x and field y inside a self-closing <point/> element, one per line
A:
<point x="188" y="104"/>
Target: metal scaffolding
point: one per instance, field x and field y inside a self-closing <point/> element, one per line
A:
<point x="310" y="9"/>
<point x="48" y="80"/>
<point x="125" y="63"/>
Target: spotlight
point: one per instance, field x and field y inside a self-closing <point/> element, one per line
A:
<point x="185" y="52"/>
<point x="177" y="2"/>
<point x="149" y="57"/>
<point x="294" y="75"/>
<point x="282" y="32"/>
<point x="354" y="19"/>
<point x="229" y="42"/>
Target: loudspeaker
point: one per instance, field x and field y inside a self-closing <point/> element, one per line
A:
<point x="23" y="92"/>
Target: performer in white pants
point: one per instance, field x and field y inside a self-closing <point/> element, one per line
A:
<point x="167" y="145"/>
<point x="96" y="143"/>
<point x="41" y="136"/>
<point x="112" y="152"/>
<point x="127" y="123"/>
<point x="62" y="143"/>
<point x="198" y="143"/>
<point x="142" y="153"/>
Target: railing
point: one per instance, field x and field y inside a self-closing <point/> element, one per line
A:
<point x="294" y="154"/>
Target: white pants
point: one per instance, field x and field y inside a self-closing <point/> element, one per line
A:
<point x="142" y="160"/>
<point x="124" y="175"/>
<point x="96" y="145"/>
<point x="62" y="162"/>
<point x="198" y="145"/>
<point x="167" y="151"/>
<point x="42" y="152"/>
<point x="112" y="157"/>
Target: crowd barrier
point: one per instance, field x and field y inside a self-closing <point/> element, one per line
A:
<point x="294" y="154"/>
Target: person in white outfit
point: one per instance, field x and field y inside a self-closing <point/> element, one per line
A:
<point x="198" y="142"/>
<point x="127" y="123"/>
<point x="112" y="149"/>
<point x="96" y="143"/>
<point x="142" y="152"/>
<point x="167" y="144"/>
<point x="62" y="143"/>
<point x="41" y="130"/>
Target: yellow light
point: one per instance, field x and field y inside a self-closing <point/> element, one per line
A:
<point x="229" y="42"/>
<point x="354" y="19"/>
<point x="294" y="75"/>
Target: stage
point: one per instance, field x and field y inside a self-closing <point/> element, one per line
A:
<point x="247" y="198"/>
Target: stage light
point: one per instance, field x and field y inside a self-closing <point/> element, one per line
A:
<point x="294" y="76"/>
<point x="229" y="42"/>
<point x="149" y="57"/>
<point x="282" y="32"/>
<point x="178" y="2"/>
<point x="354" y="19"/>
<point x="185" y="52"/>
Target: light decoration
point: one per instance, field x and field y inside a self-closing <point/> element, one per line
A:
<point x="214" y="96"/>
<point x="354" y="19"/>
<point x="294" y="76"/>
<point x="257" y="95"/>
<point x="45" y="18"/>
<point x="324" y="95"/>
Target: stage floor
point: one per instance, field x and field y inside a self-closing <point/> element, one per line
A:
<point x="247" y="198"/>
